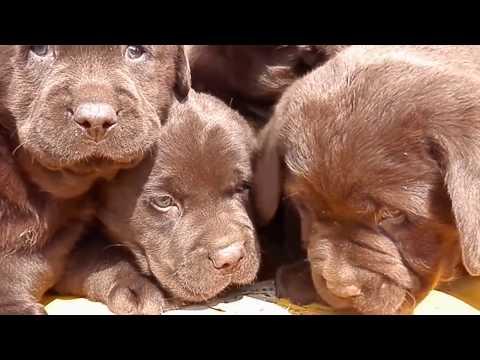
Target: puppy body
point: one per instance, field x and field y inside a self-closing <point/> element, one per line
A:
<point x="251" y="79"/>
<point x="186" y="208"/>
<point x="56" y="143"/>
<point x="372" y="150"/>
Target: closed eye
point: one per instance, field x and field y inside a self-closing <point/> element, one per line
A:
<point x="241" y="188"/>
<point x="390" y="217"/>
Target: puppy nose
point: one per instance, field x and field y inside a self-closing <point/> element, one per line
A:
<point x="228" y="257"/>
<point x="96" y="119"/>
<point x="344" y="290"/>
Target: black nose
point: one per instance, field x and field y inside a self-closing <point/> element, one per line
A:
<point x="228" y="257"/>
<point x="96" y="119"/>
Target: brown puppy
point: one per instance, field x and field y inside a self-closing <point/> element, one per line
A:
<point x="184" y="213"/>
<point x="69" y="116"/>
<point x="252" y="78"/>
<point x="380" y="152"/>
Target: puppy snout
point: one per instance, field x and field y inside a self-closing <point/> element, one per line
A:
<point x="340" y="281"/>
<point x="228" y="257"/>
<point x="96" y="119"/>
<point x="344" y="290"/>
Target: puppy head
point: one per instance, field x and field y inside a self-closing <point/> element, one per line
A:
<point x="252" y="78"/>
<point x="356" y="148"/>
<point x="84" y="107"/>
<point x="185" y="212"/>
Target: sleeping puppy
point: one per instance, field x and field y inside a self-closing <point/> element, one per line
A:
<point x="379" y="150"/>
<point x="252" y="78"/>
<point x="69" y="117"/>
<point x="184" y="214"/>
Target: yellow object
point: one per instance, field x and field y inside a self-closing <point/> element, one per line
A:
<point x="467" y="289"/>
<point x="461" y="297"/>
<point x="66" y="305"/>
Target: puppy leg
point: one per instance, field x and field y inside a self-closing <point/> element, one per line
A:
<point x="103" y="272"/>
<point x="26" y="276"/>
<point x="294" y="282"/>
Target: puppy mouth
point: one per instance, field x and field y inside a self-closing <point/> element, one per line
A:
<point x="186" y="291"/>
<point x="181" y="284"/>
<point x="81" y="155"/>
<point x="91" y="164"/>
<point x="98" y="165"/>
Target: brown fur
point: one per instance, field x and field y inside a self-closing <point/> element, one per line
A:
<point x="251" y="79"/>
<point x="379" y="150"/>
<point x="203" y="161"/>
<point x="48" y="163"/>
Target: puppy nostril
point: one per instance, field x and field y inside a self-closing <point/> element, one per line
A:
<point x="108" y="125"/>
<point x="85" y="124"/>
<point x="96" y="119"/>
<point x="227" y="257"/>
<point x="224" y="266"/>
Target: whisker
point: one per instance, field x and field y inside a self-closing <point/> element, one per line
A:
<point x="17" y="148"/>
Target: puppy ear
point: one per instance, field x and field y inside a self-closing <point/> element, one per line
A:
<point x="183" y="76"/>
<point x="267" y="183"/>
<point x="461" y="165"/>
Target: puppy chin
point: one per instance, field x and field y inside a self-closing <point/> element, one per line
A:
<point x="192" y="293"/>
<point x="188" y="287"/>
<point x="90" y="161"/>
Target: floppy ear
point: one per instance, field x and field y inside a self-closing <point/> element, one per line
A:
<point x="460" y="160"/>
<point x="267" y="183"/>
<point x="183" y="76"/>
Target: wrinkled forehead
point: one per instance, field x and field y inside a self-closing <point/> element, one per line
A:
<point x="364" y="174"/>
<point x="197" y="159"/>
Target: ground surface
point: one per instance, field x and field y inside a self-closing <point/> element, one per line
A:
<point x="459" y="298"/>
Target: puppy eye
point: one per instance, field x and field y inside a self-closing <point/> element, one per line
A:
<point x="135" y="52"/>
<point x="243" y="187"/>
<point x="39" y="50"/>
<point x="391" y="217"/>
<point x="163" y="203"/>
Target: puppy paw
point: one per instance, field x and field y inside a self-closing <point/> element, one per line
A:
<point x="136" y="295"/>
<point x="294" y="282"/>
<point x="21" y="308"/>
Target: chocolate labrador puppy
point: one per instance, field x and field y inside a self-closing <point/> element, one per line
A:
<point x="70" y="116"/>
<point x="184" y="214"/>
<point x="380" y="152"/>
<point x="252" y="78"/>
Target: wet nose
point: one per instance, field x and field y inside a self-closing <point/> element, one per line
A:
<point x="95" y="119"/>
<point x="228" y="257"/>
<point x="344" y="290"/>
<point x="341" y="280"/>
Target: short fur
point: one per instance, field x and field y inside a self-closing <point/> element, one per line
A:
<point x="251" y="79"/>
<point x="48" y="164"/>
<point x="203" y="161"/>
<point x="379" y="150"/>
